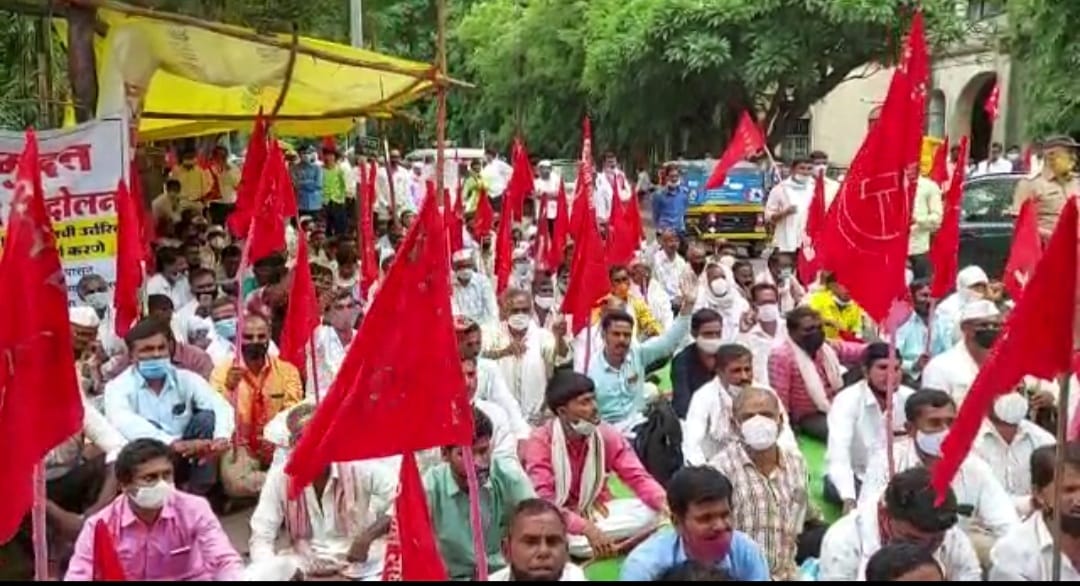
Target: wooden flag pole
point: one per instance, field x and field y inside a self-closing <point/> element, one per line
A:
<point x="1059" y="471"/>
<point x="890" y="392"/>
<point x="38" y="529"/>
<point x="314" y="367"/>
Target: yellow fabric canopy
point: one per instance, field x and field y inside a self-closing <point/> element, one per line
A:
<point x="202" y="81"/>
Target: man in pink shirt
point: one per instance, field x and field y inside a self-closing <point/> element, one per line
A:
<point x="159" y="533"/>
<point x="568" y="460"/>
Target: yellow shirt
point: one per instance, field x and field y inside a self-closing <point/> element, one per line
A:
<point x="848" y="317"/>
<point x="645" y="324"/>
<point x="195" y="183"/>
<point x="279" y="382"/>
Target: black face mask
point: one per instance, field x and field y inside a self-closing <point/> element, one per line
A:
<point x="985" y="337"/>
<point x="812" y="342"/>
<point x="255" y="351"/>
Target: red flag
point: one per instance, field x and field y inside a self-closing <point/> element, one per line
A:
<point x="329" y="144"/>
<point x="129" y="258"/>
<point x="521" y="182"/>
<point x="939" y="170"/>
<point x="107" y="566"/>
<point x="302" y="314"/>
<point x="992" y="105"/>
<point x="484" y="220"/>
<point x="542" y="252"/>
<point x="369" y="260"/>
<point x="171" y="158"/>
<point x="1025" y="252"/>
<point x="1029" y="343"/>
<point x="745" y="143"/>
<point x="284" y="191"/>
<point x="809" y="259"/>
<point x="622" y="241"/>
<point x="455" y="224"/>
<point x="562" y="229"/>
<point x="411" y="552"/>
<point x="583" y="188"/>
<point x="146" y="219"/>
<point x="250" y="178"/>
<point x="945" y="243"/>
<point x="1028" y="158"/>
<point x="635" y="218"/>
<point x="588" y="278"/>
<point x="865" y="242"/>
<point x="268" y="234"/>
<point x="504" y="251"/>
<point x="409" y="397"/>
<point x="40" y="404"/>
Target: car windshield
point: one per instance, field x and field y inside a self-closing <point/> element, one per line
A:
<point x="988" y="199"/>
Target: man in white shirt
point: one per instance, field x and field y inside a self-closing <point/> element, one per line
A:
<point x="669" y="269"/>
<point x="1006" y="441"/>
<point x="1026" y="553"/>
<point x="547" y="185"/>
<point x="609" y="181"/>
<point x="787" y="207"/>
<point x="399" y="175"/>
<point x="986" y="510"/>
<point x="503" y="442"/>
<point x="857" y="424"/>
<point x="171" y="278"/>
<point x="972" y="284"/>
<point x="780" y="273"/>
<point x="761" y="328"/>
<point x="490" y="384"/>
<point x="904" y="512"/>
<point x="995" y="164"/>
<point x="536" y="546"/>
<point x="926" y="216"/>
<point x="496" y="177"/>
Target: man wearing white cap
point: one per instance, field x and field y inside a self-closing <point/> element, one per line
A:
<point x="88" y="354"/>
<point x="971" y="285"/>
<point x="473" y="295"/>
<point x="547" y="185"/>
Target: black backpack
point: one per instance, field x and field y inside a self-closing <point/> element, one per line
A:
<point x="658" y="442"/>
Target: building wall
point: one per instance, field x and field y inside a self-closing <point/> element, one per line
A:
<point x="839" y="120"/>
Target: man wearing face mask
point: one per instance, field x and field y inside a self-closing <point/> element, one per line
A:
<point x="187" y="540"/>
<point x="195" y="313"/>
<point x="1053" y="185"/>
<point x="695" y="365"/>
<point x="668" y="267"/>
<point x="1006" y="441"/>
<point x="911" y="337"/>
<point x="525" y="352"/>
<point x="820" y="162"/>
<point x="996" y="163"/>
<point x="972" y="284"/>
<point x="610" y="180"/>
<point x="645" y="323"/>
<point x="787" y="206"/>
<point x="670" y="202"/>
<point x="535" y="546"/>
<point x="905" y="511"/>
<point x="719" y="292"/>
<point x="259" y="387"/>
<point x="1026" y="553"/>
<point x="154" y="399"/>
<point x="545" y="303"/>
<point x="521" y="276"/>
<point x="93" y="291"/>
<point x="986" y="510"/>
<point x="644" y="286"/>
<point x="473" y="295"/>
<point x="502" y="487"/>
<point x="842" y="317"/>
<point x="490" y="383"/>
<point x="307" y="177"/>
<point x="761" y="327"/>
<point x="171" y="278"/>
<point x="708" y="427"/>
<point x="223" y="314"/>
<point x="769" y="481"/>
<point x="569" y="459"/>
<point x="700" y="498"/>
<point x="781" y="274"/>
<point x="332" y="340"/>
<point x="805" y="371"/>
<point x="857" y="424"/>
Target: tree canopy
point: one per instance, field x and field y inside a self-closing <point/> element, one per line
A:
<point x="1045" y="45"/>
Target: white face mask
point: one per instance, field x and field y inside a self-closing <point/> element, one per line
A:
<point x="969" y="295"/>
<point x="759" y="432"/>
<point x="800" y="180"/>
<point x="768" y="312"/>
<point x="819" y="169"/>
<point x="153" y="497"/>
<point x="518" y="322"/>
<point x="727" y="260"/>
<point x="99" y="301"/>
<point x="709" y="345"/>
<point x="719" y="287"/>
<point x="544" y="301"/>
<point x="583" y="428"/>
<point x="1011" y="408"/>
<point x="930" y="443"/>
<point x="463" y="275"/>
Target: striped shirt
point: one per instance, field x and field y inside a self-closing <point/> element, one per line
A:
<point x="771" y="510"/>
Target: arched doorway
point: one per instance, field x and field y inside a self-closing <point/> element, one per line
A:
<point x="971" y="118"/>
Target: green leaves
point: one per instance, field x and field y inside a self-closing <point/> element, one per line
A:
<point x="1043" y="40"/>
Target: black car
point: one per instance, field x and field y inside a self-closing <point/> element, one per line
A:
<point x="986" y="225"/>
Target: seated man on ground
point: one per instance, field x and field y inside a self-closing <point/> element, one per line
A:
<point x="840" y="315"/>
<point x="695" y="365"/>
<point x="569" y="459"/>
<point x="700" y="498"/>
<point x="154" y="399"/>
<point x="708" y="423"/>
<point x="535" y="546"/>
<point x="222" y="346"/>
<point x="338" y="521"/>
<point x="503" y="442"/>
<point x="184" y="356"/>
<point x="904" y="562"/>
<point x="1006" y="441"/>
<point x="502" y="487"/>
<point x="905" y="513"/>
<point x="159" y="532"/>
<point x="857" y="421"/>
<point x="491" y="385"/>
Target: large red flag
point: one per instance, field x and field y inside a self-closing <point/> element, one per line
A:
<point x="588" y="278"/>
<point x="1025" y="252"/>
<point x="865" y="242"/>
<point x="146" y="219"/>
<point x="107" y="566"/>
<point x="247" y="203"/>
<point x="392" y="395"/>
<point x="583" y="188"/>
<point x="40" y="404"/>
<point x="562" y="230"/>
<point x="411" y="552"/>
<point x="268" y="234"/>
<point x="635" y="217"/>
<point x="945" y="244"/>
<point x="129" y="258"/>
<point x="484" y="220"/>
<point x="809" y="262"/>
<point x="622" y="242"/>
<point x="745" y="143"/>
<point x="302" y="314"/>
<point x="521" y="182"/>
<point x="939" y="170"/>
<point x="369" y="260"/>
<point x="504" y="251"/>
<point x="1029" y="343"/>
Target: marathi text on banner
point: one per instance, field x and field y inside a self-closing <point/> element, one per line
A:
<point x="80" y="169"/>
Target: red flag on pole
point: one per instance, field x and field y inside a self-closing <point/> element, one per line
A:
<point x="1025" y="252"/>
<point x="247" y="202"/>
<point x="745" y="143"/>
<point x="993" y="102"/>
<point x="622" y="241"/>
<point x="521" y="182"/>
<point x="411" y="552"/>
<point x="945" y="243"/>
<point x="107" y="566"/>
<point x="146" y="219"/>
<point x="588" y="278"/>
<point x="302" y="314"/>
<point x="409" y="396"/>
<point x="484" y="220"/>
<point x="809" y="259"/>
<point x="40" y="404"/>
<point x="268" y="233"/>
<point x="504" y="251"/>
<point x="1029" y="343"/>
<point x="369" y="260"/>
<point x="129" y="259"/>
<point x="542" y="252"/>
<point x="939" y="170"/>
<point x="455" y="220"/>
<point x="583" y="188"/>
<point x="561" y="230"/>
<point x="865" y="242"/>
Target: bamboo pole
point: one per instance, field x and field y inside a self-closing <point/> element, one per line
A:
<point x="440" y="114"/>
<point x="290" y="67"/>
<point x="1059" y="471"/>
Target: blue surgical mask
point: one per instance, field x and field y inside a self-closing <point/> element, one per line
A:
<point x="226" y="328"/>
<point x="154" y="368"/>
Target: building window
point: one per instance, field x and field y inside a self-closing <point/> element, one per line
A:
<point x="935" y="114"/>
<point x="797" y="140"/>
<point x="983" y="9"/>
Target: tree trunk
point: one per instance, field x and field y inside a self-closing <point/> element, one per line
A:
<point x="82" y="63"/>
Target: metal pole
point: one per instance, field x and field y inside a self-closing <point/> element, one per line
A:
<point x="1059" y="471"/>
